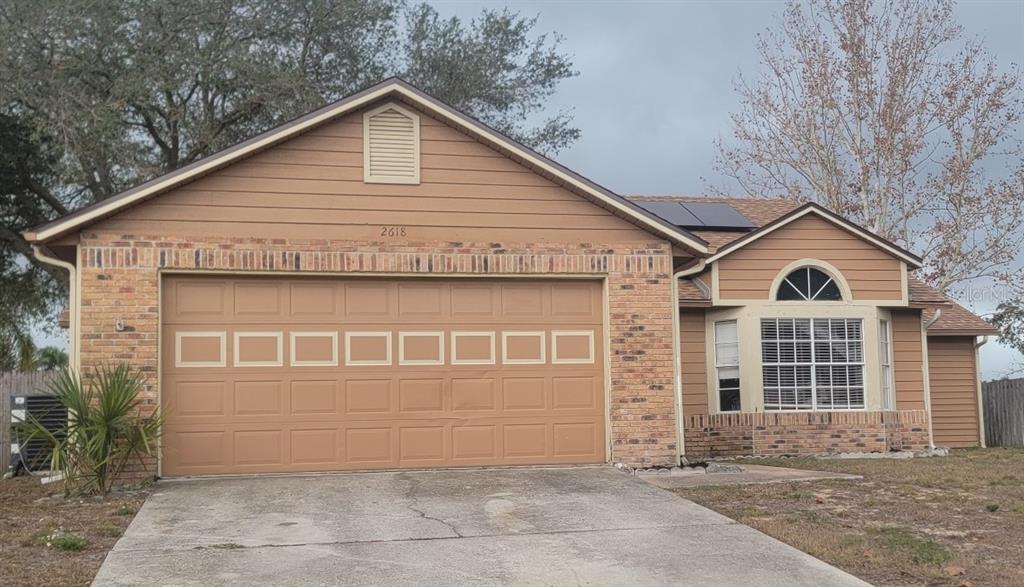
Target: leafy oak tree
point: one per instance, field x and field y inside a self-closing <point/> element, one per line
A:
<point x="879" y="110"/>
<point x="106" y="95"/>
<point x="29" y="290"/>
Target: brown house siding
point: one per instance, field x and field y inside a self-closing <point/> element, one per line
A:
<point x="953" y="379"/>
<point x="908" y="357"/>
<point x="311" y="187"/>
<point x="872" y="273"/>
<point x="693" y="356"/>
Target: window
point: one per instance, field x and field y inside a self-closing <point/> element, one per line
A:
<point x="727" y="366"/>
<point x="812" y="364"/>
<point x="885" y="352"/>
<point x="808" y="284"/>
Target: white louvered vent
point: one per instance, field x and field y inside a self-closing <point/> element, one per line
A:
<point x="391" y="145"/>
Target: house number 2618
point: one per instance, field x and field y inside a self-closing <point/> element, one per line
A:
<point x="392" y="231"/>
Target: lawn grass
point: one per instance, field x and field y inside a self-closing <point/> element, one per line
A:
<point x="956" y="520"/>
<point x="47" y="540"/>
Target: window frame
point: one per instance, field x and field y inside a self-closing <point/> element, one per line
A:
<point x="716" y="344"/>
<point x="813" y="365"/>
<point x="885" y="364"/>
<point x="813" y="297"/>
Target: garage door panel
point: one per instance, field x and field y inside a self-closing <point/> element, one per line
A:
<point x="313" y="398"/>
<point x="574" y="300"/>
<point x="370" y="445"/>
<point x="417" y="396"/>
<point x="470" y="301"/>
<point x="368" y="301"/>
<point x="318" y="301"/>
<point x="528" y="394"/>
<point x="525" y="441"/>
<point x="422" y="445"/>
<point x="474" y="394"/>
<point x="197" y="299"/>
<point x="370" y="396"/>
<point x="423" y="301"/>
<point x="258" y="398"/>
<point x="473" y="444"/>
<point x="315" y="446"/>
<point x="574" y="439"/>
<point x="322" y="375"/>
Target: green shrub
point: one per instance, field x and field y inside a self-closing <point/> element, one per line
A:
<point x="65" y="541"/>
<point x="106" y="428"/>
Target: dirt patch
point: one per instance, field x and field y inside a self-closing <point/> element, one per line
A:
<point x="45" y="539"/>
<point x="957" y="520"/>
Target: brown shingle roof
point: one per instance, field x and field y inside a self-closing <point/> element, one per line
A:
<point x="922" y="294"/>
<point x="690" y="293"/>
<point x="957" y="320"/>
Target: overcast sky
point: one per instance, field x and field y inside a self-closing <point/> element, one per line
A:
<point x="655" y="87"/>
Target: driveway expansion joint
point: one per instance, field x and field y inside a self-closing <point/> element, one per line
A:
<point x="235" y="546"/>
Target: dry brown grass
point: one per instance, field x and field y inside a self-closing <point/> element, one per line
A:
<point x="50" y="541"/>
<point x="957" y="520"/>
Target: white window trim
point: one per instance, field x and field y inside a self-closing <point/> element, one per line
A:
<point x="200" y="334"/>
<point x="385" y="334"/>
<point x="554" y="347"/>
<point x="814" y="384"/>
<point x="333" y="334"/>
<point x="277" y="335"/>
<point x="454" y="344"/>
<point x="718" y="366"/>
<point x="539" y="334"/>
<point x="402" y="335"/>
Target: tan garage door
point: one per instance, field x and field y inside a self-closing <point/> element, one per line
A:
<point x="271" y="375"/>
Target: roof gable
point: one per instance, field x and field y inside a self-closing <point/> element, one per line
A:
<point x="814" y="209"/>
<point x="399" y="90"/>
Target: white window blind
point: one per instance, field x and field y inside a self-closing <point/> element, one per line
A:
<point x="727" y="363"/>
<point x="812" y="364"/>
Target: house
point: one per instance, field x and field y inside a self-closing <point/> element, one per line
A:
<point x="388" y="283"/>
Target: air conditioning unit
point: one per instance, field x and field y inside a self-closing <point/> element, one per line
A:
<point x="34" y="455"/>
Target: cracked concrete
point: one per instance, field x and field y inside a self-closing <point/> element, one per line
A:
<point x="585" y="526"/>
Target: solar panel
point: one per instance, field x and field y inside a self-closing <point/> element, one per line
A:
<point x="718" y="215"/>
<point x="671" y="212"/>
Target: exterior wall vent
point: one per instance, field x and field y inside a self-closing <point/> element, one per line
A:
<point x="391" y="145"/>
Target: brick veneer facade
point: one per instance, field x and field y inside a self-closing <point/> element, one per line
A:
<point x="120" y="276"/>
<point x="761" y="433"/>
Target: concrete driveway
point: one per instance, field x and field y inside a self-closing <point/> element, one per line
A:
<point x="586" y="526"/>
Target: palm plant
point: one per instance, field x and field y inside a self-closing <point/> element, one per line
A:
<point x="106" y="428"/>
<point x="50" y="358"/>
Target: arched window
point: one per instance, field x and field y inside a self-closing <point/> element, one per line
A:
<point x="808" y="284"/>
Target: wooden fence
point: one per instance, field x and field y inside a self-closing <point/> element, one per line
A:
<point x="1003" y="402"/>
<point x="16" y="383"/>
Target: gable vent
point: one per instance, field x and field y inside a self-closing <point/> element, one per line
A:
<point x="391" y="145"/>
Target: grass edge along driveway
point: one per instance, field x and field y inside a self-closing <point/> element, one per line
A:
<point x="956" y="520"/>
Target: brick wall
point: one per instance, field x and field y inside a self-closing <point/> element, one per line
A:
<point x="120" y="281"/>
<point x="720" y="435"/>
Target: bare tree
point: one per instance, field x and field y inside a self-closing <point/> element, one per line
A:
<point x="880" y="111"/>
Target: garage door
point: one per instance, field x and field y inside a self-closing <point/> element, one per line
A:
<point x="274" y="375"/>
